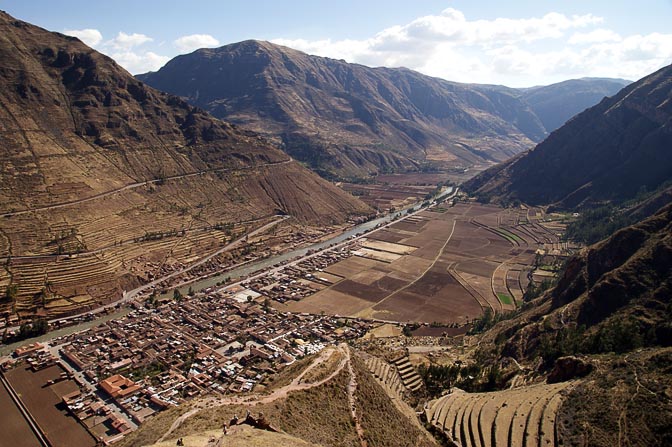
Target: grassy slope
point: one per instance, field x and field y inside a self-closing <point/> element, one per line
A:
<point x="384" y="424"/>
<point x="241" y="436"/>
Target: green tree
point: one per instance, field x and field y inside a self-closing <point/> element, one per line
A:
<point x="177" y="295"/>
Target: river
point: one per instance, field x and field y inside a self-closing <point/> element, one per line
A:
<point x="262" y="264"/>
<point x="234" y="273"/>
<point x="7" y="349"/>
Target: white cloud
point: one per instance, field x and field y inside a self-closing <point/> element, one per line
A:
<point x="595" y="36"/>
<point x="516" y="52"/>
<point x="139" y="62"/>
<point x="91" y="37"/>
<point x="195" y="41"/>
<point x="125" y="41"/>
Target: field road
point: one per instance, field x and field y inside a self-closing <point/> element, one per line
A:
<point x="401" y="289"/>
<point x="333" y="247"/>
<point x="137" y="185"/>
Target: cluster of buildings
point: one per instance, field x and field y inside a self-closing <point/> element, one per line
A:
<point x="296" y="281"/>
<point x="204" y="345"/>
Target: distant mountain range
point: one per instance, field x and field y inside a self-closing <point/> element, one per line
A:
<point x="608" y="153"/>
<point x="348" y="120"/>
<point x="556" y="103"/>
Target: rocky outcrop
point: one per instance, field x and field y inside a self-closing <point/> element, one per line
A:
<point x="568" y="368"/>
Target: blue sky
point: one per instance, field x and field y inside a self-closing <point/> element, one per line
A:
<point x="512" y="43"/>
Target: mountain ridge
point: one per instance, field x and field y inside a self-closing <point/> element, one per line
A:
<point x="608" y="153"/>
<point x="363" y="119"/>
<point x="123" y="181"/>
<point x="350" y="120"/>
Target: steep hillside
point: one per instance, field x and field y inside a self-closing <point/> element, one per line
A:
<point x="620" y="284"/>
<point x="97" y="165"/>
<point x="599" y="339"/>
<point x="555" y="104"/>
<point x="342" y="405"/>
<point x="347" y="119"/>
<point x="610" y="152"/>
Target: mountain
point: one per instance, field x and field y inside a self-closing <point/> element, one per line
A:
<point x="555" y="104"/>
<point x="608" y="153"/>
<point x="347" y="119"/>
<point x="97" y="164"/>
<point x="586" y="363"/>
<point x="607" y="318"/>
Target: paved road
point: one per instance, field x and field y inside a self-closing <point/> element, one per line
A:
<point x="129" y="296"/>
<point x="133" y="293"/>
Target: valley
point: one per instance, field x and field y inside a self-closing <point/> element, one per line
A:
<point x="231" y="339"/>
<point x="444" y="265"/>
<point x="257" y="246"/>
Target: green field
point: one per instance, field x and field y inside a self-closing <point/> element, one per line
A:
<point x="510" y="235"/>
<point x="504" y="298"/>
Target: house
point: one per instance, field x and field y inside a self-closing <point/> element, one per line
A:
<point x="118" y="386"/>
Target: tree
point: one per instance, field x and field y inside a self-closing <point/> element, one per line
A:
<point x="177" y="295"/>
<point x="11" y="292"/>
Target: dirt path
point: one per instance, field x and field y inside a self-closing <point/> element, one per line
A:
<point x="352" y="388"/>
<point x="332" y="248"/>
<point x="325" y="355"/>
<point x="623" y="416"/>
<point x="366" y="313"/>
<point x="137" y="185"/>
<point x="281" y="393"/>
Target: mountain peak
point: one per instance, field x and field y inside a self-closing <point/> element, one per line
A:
<point x="83" y="141"/>
<point x="348" y="119"/>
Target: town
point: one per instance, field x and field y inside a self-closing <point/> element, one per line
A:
<point x="127" y="369"/>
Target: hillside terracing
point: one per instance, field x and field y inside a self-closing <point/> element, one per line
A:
<point x="518" y="417"/>
<point x="106" y="182"/>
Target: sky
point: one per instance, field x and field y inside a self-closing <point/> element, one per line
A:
<point x="513" y="43"/>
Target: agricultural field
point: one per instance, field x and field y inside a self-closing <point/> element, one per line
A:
<point x="386" y="197"/>
<point x="446" y="265"/>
